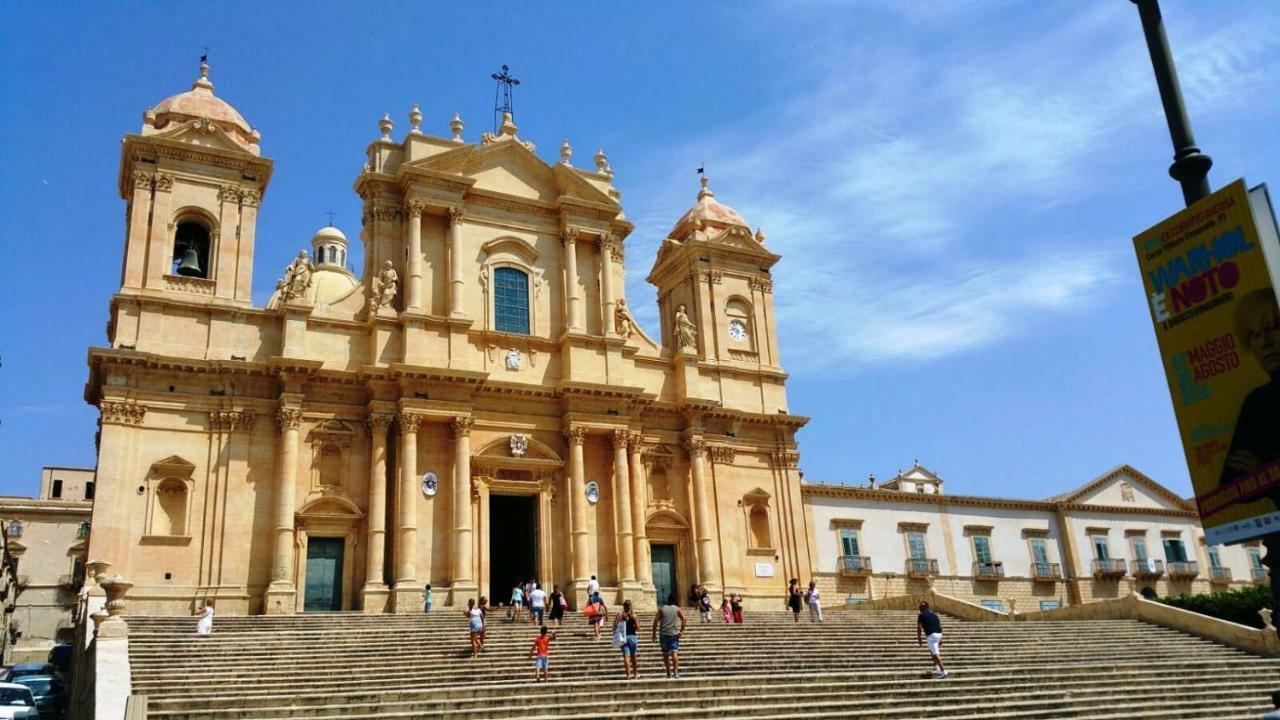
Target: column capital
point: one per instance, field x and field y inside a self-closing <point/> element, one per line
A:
<point x="635" y="440"/>
<point x="414" y="208"/>
<point x="409" y="422"/>
<point x="230" y="420"/>
<point x="289" y="418"/>
<point x="122" y="412"/>
<point x="576" y="434"/>
<point x="462" y="426"/>
<point x="620" y="438"/>
<point x="454" y="214"/>
<point x="569" y="235"/>
<point x="378" y="422"/>
<point x="695" y="445"/>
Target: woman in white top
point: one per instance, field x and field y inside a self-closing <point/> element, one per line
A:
<point x="475" y="622"/>
<point x="204" y="625"/>
<point x="815" y="604"/>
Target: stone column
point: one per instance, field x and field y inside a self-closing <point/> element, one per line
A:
<point x="461" y="559"/>
<point x="573" y="300"/>
<point x="622" y="509"/>
<point x="644" y="569"/>
<point x="605" y="244"/>
<point x="708" y="554"/>
<point x="375" y="588"/>
<point x="578" y="503"/>
<point x="407" y="525"/>
<point x="413" y="287"/>
<point x="455" y="263"/>
<point x="280" y="593"/>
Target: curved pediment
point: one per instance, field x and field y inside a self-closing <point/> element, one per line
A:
<point x="331" y="506"/>
<point x="518" y="247"/>
<point x="665" y="518"/>
<point x="517" y="446"/>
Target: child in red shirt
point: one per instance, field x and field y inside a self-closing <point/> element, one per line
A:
<point x="541" y="654"/>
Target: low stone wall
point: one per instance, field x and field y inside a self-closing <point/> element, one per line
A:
<point x="1135" y="607"/>
<point x="954" y="607"/>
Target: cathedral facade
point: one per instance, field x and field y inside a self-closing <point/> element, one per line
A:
<point x="476" y="407"/>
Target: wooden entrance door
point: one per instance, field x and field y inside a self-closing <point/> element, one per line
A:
<point x="324" y="574"/>
<point x="664" y="571"/>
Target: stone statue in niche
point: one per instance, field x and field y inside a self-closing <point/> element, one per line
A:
<point x="686" y="332"/>
<point x="519" y="445"/>
<point x="297" y="278"/>
<point x="384" y="288"/>
<point x="623" y="323"/>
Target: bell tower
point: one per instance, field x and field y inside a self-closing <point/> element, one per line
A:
<point x="718" y="271"/>
<point x="192" y="180"/>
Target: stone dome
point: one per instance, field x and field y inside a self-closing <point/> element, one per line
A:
<point x="200" y="102"/>
<point x="330" y="284"/>
<point x="708" y="210"/>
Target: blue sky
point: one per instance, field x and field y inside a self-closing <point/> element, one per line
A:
<point x="953" y="187"/>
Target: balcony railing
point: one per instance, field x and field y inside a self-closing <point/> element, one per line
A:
<point x="988" y="570"/>
<point x="1183" y="569"/>
<point x="69" y="582"/>
<point x="1148" y="568"/>
<point x="855" y="565"/>
<point x="1220" y="575"/>
<point x="1110" y="569"/>
<point x="922" y="567"/>
<point x="1258" y="575"/>
<point x="1046" y="571"/>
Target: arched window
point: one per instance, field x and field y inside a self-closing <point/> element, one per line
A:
<point x="760" y="527"/>
<point x="511" y="300"/>
<point x="191" y="249"/>
<point x="171" y="501"/>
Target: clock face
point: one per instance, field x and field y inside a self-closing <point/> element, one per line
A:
<point x="737" y="330"/>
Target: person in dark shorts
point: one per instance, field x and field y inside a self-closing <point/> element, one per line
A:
<point x="670" y="622"/>
<point x="558" y="605"/>
<point x="929" y="630"/>
<point x="627" y="627"/>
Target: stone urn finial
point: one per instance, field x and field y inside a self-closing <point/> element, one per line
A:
<point x="455" y="126"/>
<point x="117" y="587"/>
<point x="385" y="126"/>
<point x="415" y="119"/>
<point x="1266" y="619"/>
<point x="97" y="570"/>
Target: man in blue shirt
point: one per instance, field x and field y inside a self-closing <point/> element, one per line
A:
<point x="929" y="629"/>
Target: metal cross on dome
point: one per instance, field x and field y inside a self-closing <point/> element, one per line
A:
<point x="502" y="94"/>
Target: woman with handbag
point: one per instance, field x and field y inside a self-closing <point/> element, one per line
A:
<point x="626" y="637"/>
<point x="558" y="606"/>
<point x="596" y="613"/>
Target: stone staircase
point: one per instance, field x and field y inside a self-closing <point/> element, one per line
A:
<point x="855" y="665"/>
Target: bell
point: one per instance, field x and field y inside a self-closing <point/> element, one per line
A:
<point x="190" y="265"/>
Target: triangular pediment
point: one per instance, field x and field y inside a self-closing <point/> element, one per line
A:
<point x="203" y="133"/>
<point x="510" y="168"/>
<point x="172" y="466"/>
<point x="1125" y="487"/>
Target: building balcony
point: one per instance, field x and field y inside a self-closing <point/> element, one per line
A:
<point x="1220" y="575"/>
<point x="922" y="567"/>
<point x="855" y="565"/>
<point x="1258" y="576"/>
<point x="1183" y="570"/>
<point x="1046" y="572"/>
<point x="69" y="582"/>
<point x="1148" y="569"/>
<point x="988" y="570"/>
<point x="1108" y="569"/>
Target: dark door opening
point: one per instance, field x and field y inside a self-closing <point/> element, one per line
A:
<point x="513" y="544"/>
<point x="664" y="572"/>
<point x="324" y="574"/>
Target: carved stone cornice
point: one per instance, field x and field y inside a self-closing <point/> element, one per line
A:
<point x="230" y="420"/>
<point x="414" y="208"/>
<point x="122" y="412"/>
<point x="720" y="454"/>
<point x="576" y="434"/>
<point x="409" y="422"/>
<point x="462" y="427"/>
<point x="379" y="422"/>
<point x="289" y="418"/>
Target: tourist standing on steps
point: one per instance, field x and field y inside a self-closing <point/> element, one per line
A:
<point x="735" y="607"/>
<point x="626" y="634"/>
<point x="670" y="623"/>
<point x="204" y="626"/>
<point x="793" y="598"/>
<point x="426" y="599"/>
<point x="726" y="610"/>
<point x="596" y="613"/>
<point x="815" y="604"/>
<point x="537" y="603"/>
<point x="541" y="654"/>
<point x="475" y="623"/>
<point x="517" y="601"/>
<point x="704" y="606"/>
<point x="593" y="587"/>
<point x="528" y="596"/>
<point x="558" y="605"/>
<point x="929" y="629"/>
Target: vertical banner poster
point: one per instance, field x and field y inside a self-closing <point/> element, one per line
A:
<point x="1213" y="304"/>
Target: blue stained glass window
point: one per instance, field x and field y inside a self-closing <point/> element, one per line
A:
<point x="511" y="300"/>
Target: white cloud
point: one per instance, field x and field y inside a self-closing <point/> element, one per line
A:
<point x="884" y="188"/>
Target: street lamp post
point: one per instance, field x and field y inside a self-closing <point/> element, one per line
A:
<point x="1190" y="166"/>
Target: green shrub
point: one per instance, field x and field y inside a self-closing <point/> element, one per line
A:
<point x="1238" y="606"/>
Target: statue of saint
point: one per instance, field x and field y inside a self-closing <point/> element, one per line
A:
<point x="384" y="288"/>
<point x="299" y="275"/>
<point x="686" y="332"/>
<point x="623" y="323"/>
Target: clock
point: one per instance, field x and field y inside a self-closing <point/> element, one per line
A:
<point x="737" y="330"/>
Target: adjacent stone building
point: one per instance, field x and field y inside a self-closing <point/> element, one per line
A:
<point x="45" y="540"/>
<point x="475" y="407"/>
<point x="1119" y="533"/>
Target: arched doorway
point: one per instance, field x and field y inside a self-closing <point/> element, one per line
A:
<point x="327" y="532"/>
